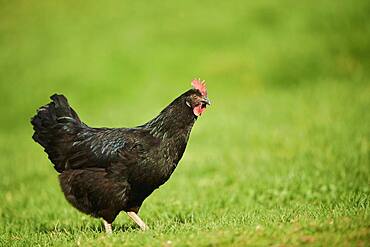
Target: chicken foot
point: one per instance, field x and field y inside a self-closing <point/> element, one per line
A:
<point x="108" y="227"/>
<point x="137" y="220"/>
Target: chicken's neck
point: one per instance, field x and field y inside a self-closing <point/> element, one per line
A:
<point x="174" y="122"/>
<point x="172" y="129"/>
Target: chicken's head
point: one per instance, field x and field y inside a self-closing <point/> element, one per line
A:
<point x="198" y="100"/>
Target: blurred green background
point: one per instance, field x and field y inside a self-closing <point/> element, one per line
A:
<point x="281" y="157"/>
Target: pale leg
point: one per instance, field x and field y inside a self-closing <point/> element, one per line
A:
<point x="108" y="227"/>
<point x="137" y="220"/>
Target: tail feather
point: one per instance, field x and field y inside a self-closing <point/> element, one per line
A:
<point x="56" y="125"/>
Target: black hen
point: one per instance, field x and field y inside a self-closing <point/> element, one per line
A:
<point x="107" y="170"/>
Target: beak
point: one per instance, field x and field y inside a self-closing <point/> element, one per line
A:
<point x="206" y="101"/>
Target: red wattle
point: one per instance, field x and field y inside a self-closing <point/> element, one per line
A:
<point x="198" y="110"/>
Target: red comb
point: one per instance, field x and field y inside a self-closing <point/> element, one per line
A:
<point x="200" y="85"/>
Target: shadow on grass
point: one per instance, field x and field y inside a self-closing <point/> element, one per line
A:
<point x="97" y="227"/>
<point x="91" y="228"/>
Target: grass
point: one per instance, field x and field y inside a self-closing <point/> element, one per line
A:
<point x="281" y="158"/>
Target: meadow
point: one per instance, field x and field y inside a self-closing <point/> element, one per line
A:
<point x="281" y="158"/>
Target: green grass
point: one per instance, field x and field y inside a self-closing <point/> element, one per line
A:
<point x="281" y="158"/>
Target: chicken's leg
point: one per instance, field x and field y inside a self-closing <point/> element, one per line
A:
<point x="108" y="227"/>
<point x="137" y="220"/>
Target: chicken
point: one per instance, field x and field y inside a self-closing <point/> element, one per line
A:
<point x="103" y="171"/>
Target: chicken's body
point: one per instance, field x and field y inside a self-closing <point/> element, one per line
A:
<point x="104" y="171"/>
